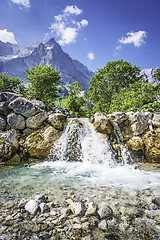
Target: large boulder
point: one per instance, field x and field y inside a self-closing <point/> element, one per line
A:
<point x="4" y="107"/>
<point x="24" y="107"/>
<point x="118" y="117"/>
<point x="57" y="120"/>
<point x="135" y="143"/>
<point x="10" y="136"/>
<point x="140" y="122"/>
<point x="8" y="144"/>
<point x="156" y="120"/>
<point x="3" y="122"/>
<point x="102" y="124"/>
<point x="16" y="121"/>
<point x="36" y="120"/>
<point x="152" y="145"/>
<point x="8" y="96"/>
<point x="38" y="103"/>
<point x="38" y="144"/>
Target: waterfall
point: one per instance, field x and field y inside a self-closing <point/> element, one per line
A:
<point x="80" y="142"/>
<point x="125" y="153"/>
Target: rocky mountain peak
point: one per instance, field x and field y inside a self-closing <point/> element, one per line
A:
<point x="45" y="53"/>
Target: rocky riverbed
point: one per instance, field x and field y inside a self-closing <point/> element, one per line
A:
<point x="82" y="213"/>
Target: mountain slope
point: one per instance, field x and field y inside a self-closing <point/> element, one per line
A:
<point x="148" y="75"/>
<point x="45" y="53"/>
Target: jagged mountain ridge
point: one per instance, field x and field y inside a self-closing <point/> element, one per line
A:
<point x="15" y="61"/>
<point x="148" y="75"/>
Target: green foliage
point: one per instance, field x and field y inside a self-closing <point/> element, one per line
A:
<point x="12" y="84"/>
<point x="157" y="74"/>
<point x="137" y="97"/>
<point x="109" y="81"/>
<point x="43" y="83"/>
<point x="74" y="101"/>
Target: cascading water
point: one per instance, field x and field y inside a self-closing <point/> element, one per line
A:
<point x="126" y="156"/>
<point x="79" y="142"/>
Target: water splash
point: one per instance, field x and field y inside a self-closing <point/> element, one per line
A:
<point x="79" y="142"/>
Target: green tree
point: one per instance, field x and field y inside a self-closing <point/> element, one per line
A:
<point x="109" y="81"/>
<point x="43" y="83"/>
<point x="74" y="101"/>
<point x="12" y="84"/>
<point x="137" y="97"/>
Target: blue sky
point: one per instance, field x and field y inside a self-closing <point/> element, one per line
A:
<point x="91" y="31"/>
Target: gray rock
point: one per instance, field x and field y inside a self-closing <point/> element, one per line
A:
<point x="156" y="120"/>
<point x="77" y="208"/>
<point x="118" y="117"/>
<point x="38" y="103"/>
<point x="24" y="107"/>
<point x="91" y="209"/>
<point x="57" y="120"/>
<point x="28" y="131"/>
<point x="140" y="122"/>
<point x="11" y="137"/>
<point x="31" y="207"/>
<point x="103" y="225"/>
<point x="37" y="120"/>
<point x="8" y="96"/>
<point x="16" y="121"/>
<point x="4" y="107"/>
<point x="101" y="123"/>
<point x="105" y="212"/>
<point x="3" y="122"/>
<point x="6" y="150"/>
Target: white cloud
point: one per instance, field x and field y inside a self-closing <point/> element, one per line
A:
<point x="25" y="3"/>
<point x="6" y="36"/>
<point x="137" y="38"/>
<point x="68" y="35"/>
<point x="65" y="27"/>
<point x="90" y="56"/>
<point x="72" y="10"/>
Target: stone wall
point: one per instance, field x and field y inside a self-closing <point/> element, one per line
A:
<point x="27" y="130"/>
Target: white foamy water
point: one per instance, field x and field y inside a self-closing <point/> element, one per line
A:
<point x="93" y="162"/>
<point x="100" y="175"/>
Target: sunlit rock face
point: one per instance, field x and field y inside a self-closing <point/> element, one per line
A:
<point x="15" y="61"/>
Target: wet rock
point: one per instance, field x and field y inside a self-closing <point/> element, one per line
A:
<point x="3" y="122"/>
<point x="24" y="107"/>
<point x="14" y="160"/>
<point x="31" y="207"/>
<point x="105" y="212"/>
<point x="37" y="120"/>
<point x="16" y="121"/>
<point x="57" y="120"/>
